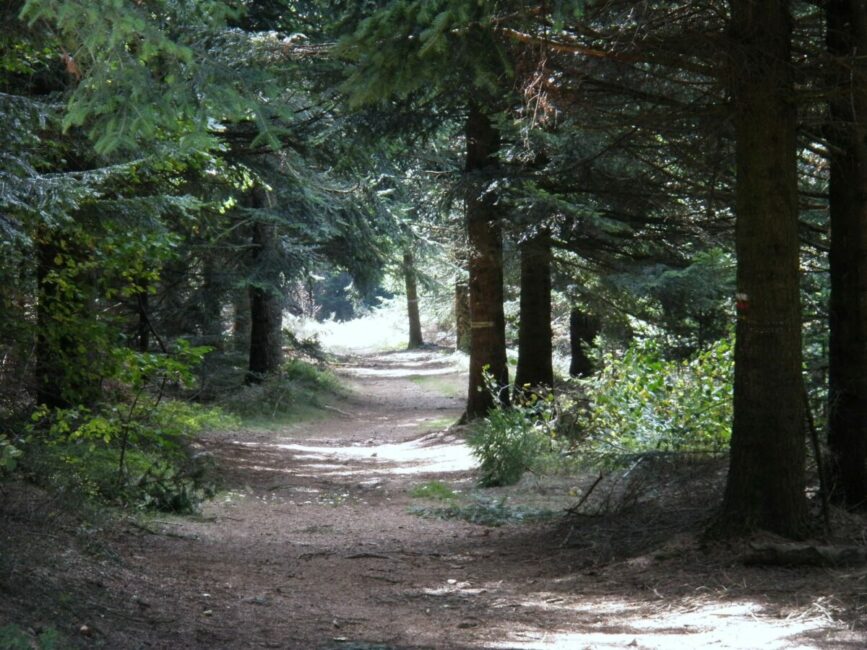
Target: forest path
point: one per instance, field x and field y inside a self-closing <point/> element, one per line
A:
<point x="314" y="546"/>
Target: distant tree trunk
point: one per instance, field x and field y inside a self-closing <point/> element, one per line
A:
<point x="212" y="303"/>
<point x="143" y="329"/>
<point x="765" y="489"/>
<point x="174" y="308"/>
<point x="266" y="308"/>
<point x="410" y="281"/>
<point x="241" y="319"/>
<point x="484" y="237"/>
<point x="847" y="133"/>
<point x="49" y="373"/>
<point x="583" y="328"/>
<point x="535" y="369"/>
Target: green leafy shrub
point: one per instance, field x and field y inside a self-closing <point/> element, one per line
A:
<point x="641" y="402"/>
<point x="135" y="450"/>
<point x="9" y="455"/>
<point x="79" y="452"/>
<point x="512" y="440"/>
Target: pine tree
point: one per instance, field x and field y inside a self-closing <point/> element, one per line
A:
<point x="847" y="380"/>
<point x="766" y="481"/>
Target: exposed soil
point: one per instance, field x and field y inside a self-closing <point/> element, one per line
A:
<point x="314" y="545"/>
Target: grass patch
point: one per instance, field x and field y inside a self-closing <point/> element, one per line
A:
<point x="284" y="419"/>
<point x="13" y="637"/>
<point x="485" y="513"/>
<point x="444" y="385"/>
<point x="433" y="490"/>
<point x="296" y="392"/>
<point x="437" y="424"/>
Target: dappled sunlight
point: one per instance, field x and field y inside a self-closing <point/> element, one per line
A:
<point x="432" y="453"/>
<point x="620" y="624"/>
<point x="384" y="328"/>
<point x="404" y="458"/>
<point x="400" y="371"/>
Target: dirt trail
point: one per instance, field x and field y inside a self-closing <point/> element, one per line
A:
<point x="314" y="546"/>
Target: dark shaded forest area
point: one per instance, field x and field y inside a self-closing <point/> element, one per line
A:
<point x="625" y="241"/>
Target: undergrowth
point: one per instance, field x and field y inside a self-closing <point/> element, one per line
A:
<point x="483" y="512"/>
<point x="298" y="385"/>
<point x="638" y="403"/>
<point x="133" y="449"/>
<point x="14" y="637"/>
<point x="435" y="490"/>
<point x="147" y="464"/>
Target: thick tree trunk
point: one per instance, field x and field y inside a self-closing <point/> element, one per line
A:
<point x="847" y="133"/>
<point x="484" y="236"/>
<point x="765" y="488"/>
<point x="583" y="328"/>
<point x="266" y="309"/>
<point x="462" y="316"/>
<point x="535" y="369"/>
<point x="266" y="353"/>
<point x="410" y="281"/>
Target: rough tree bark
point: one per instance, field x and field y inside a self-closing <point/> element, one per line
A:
<point x="411" y="284"/>
<point x="765" y="488"/>
<point x="462" y="316"/>
<point x="847" y="134"/>
<point x="266" y="313"/>
<point x="484" y="237"/>
<point x="583" y="328"/>
<point x="241" y="319"/>
<point x="535" y="369"/>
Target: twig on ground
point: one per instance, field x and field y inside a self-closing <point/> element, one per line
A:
<point x="574" y="509"/>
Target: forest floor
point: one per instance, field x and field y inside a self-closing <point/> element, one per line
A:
<point x="319" y="542"/>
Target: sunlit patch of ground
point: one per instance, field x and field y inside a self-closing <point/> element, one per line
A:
<point x="401" y="371"/>
<point x="384" y="328"/>
<point x="729" y="625"/>
<point x="434" y="454"/>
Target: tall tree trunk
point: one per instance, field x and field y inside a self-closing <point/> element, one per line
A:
<point x="462" y="316"/>
<point x="583" y="328"/>
<point x="410" y="281"/>
<point x="49" y="371"/>
<point x="212" y="303"/>
<point x="534" y="329"/>
<point x="266" y="308"/>
<point x="765" y="488"/>
<point x="143" y="329"/>
<point x="485" y="240"/>
<point x="847" y="133"/>
<point x="241" y="319"/>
